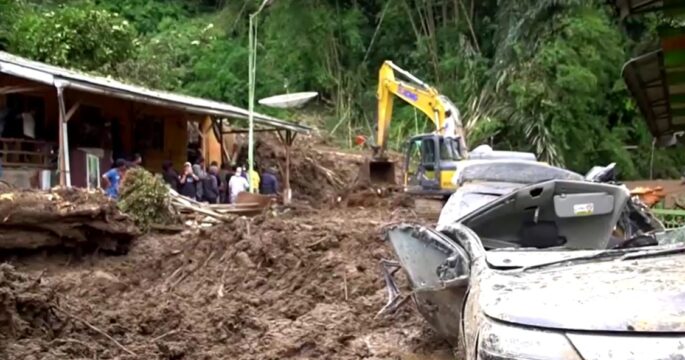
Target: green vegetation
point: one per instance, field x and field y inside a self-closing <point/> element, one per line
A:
<point x="532" y="75"/>
<point x="145" y="197"/>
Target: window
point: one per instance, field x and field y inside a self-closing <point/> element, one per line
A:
<point x="414" y="157"/>
<point x="93" y="171"/>
<point x="449" y="149"/>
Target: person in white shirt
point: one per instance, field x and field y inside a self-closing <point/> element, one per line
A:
<point x="451" y="124"/>
<point x="237" y="184"/>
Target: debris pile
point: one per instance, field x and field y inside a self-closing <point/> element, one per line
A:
<point x="316" y="174"/>
<point x="299" y="283"/>
<point x="153" y="205"/>
<point x="260" y="288"/>
<point x="25" y="307"/>
<point x="196" y="213"/>
<point x="63" y="218"/>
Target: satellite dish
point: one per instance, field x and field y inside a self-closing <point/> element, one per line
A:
<point x="289" y="100"/>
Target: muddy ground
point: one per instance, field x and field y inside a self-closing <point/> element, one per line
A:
<point x="299" y="283"/>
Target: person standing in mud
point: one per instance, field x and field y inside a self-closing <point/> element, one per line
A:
<point x="170" y="175"/>
<point x="224" y="177"/>
<point x="269" y="183"/>
<point x="188" y="182"/>
<point x="112" y="178"/>
<point x="201" y="173"/>
<point x="211" y="185"/>
<point x="237" y="184"/>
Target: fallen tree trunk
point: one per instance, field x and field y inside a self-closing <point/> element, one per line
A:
<point x="65" y="218"/>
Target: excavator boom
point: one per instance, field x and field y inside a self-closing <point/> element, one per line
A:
<point x="439" y="109"/>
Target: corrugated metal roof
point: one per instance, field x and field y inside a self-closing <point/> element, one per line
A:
<point x="57" y="76"/>
<point x="657" y="79"/>
<point x="645" y="79"/>
<point x="631" y="7"/>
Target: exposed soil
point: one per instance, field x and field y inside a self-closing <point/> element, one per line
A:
<point x="65" y="218"/>
<point x="301" y="283"/>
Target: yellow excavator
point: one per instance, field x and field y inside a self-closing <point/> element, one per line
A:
<point x="430" y="159"/>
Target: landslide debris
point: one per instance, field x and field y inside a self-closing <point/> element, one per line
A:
<point x="299" y="283"/>
<point x="32" y="219"/>
<point x="304" y="286"/>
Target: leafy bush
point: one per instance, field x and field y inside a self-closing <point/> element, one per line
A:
<point x="145" y="197"/>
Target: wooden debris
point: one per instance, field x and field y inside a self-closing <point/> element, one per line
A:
<point x="198" y="214"/>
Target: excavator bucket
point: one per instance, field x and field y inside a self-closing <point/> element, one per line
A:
<point x="378" y="172"/>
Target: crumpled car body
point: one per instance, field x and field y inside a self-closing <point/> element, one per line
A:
<point x="533" y="273"/>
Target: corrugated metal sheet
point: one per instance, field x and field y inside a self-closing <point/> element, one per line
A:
<point x="629" y="7"/>
<point x="657" y="79"/>
<point x="57" y="76"/>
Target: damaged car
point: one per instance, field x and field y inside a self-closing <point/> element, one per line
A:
<point x="533" y="262"/>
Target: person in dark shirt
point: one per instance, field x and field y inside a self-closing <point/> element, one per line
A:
<point x="269" y="182"/>
<point x="211" y="185"/>
<point x="224" y="177"/>
<point x="170" y="175"/>
<point x="188" y="182"/>
<point x="136" y="161"/>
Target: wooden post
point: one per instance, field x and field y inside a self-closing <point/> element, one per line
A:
<point x="220" y="123"/>
<point x="63" y="165"/>
<point x="288" y="142"/>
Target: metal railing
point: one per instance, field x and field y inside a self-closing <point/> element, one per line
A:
<point x="671" y="218"/>
<point x="26" y="153"/>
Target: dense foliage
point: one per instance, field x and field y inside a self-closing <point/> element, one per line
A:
<point x="145" y="197"/>
<point x="532" y="75"/>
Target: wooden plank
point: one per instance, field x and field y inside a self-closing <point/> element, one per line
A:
<point x="72" y="110"/>
<point x="6" y="90"/>
<point x="23" y="152"/>
<point x="26" y="165"/>
<point x="27" y="141"/>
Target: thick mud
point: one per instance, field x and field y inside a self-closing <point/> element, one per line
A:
<point x="62" y="218"/>
<point x="303" y="286"/>
<point x="299" y="283"/>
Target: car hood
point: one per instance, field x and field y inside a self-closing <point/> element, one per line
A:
<point x="642" y="295"/>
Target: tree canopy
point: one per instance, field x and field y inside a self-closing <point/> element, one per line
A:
<point x="529" y="75"/>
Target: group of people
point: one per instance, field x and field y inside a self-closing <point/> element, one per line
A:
<point x="198" y="182"/>
<point x="214" y="185"/>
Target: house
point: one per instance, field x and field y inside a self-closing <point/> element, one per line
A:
<point x="59" y="126"/>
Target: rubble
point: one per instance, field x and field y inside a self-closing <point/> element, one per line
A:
<point x="301" y="282"/>
<point x="63" y="218"/>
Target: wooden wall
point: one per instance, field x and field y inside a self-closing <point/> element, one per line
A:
<point x="174" y="132"/>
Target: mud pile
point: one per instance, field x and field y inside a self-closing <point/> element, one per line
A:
<point x="324" y="177"/>
<point x="305" y="286"/>
<point x="316" y="174"/>
<point x="64" y="217"/>
<point x="25" y="307"/>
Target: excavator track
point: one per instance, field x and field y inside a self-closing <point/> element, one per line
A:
<point x="428" y="207"/>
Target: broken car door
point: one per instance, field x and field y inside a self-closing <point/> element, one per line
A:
<point x="438" y="270"/>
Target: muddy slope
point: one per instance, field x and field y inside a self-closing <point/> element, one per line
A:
<point x="303" y="286"/>
<point x="62" y="218"/>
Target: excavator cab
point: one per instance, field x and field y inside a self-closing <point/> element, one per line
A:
<point x="430" y="163"/>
